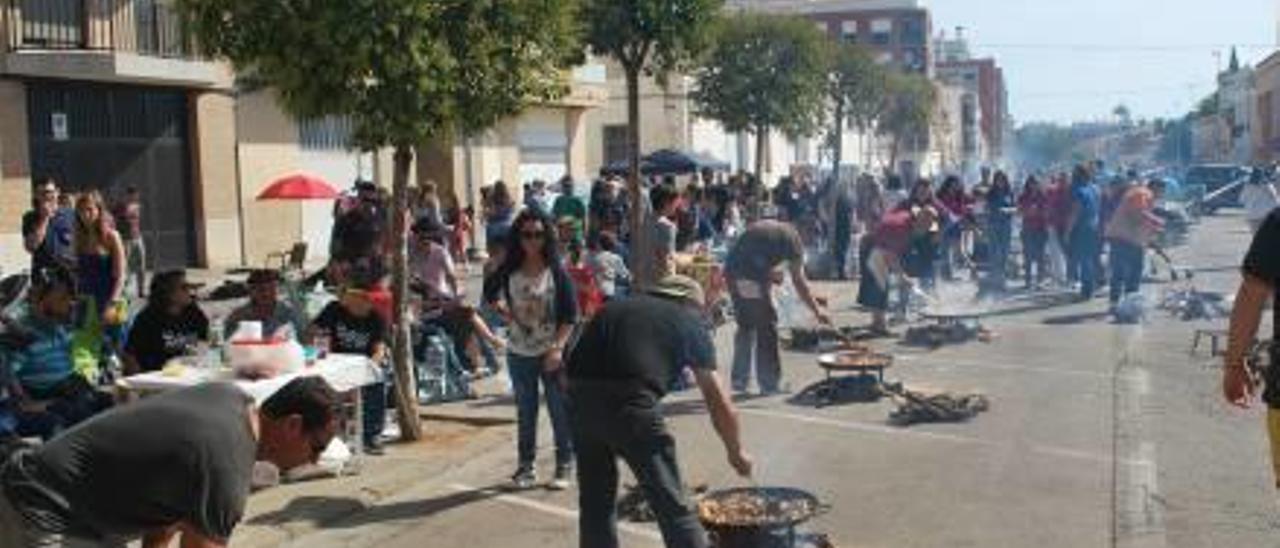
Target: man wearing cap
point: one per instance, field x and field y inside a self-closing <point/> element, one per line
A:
<point x="264" y="306"/>
<point x="750" y="270"/>
<point x="618" y="372"/>
<point x="175" y="464"/>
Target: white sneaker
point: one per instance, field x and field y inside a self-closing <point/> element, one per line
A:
<point x="561" y="481"/>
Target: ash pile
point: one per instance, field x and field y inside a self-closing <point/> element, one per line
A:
<point x="938" y="334"/>
<point x="1190" y="304"/>
<point x="919" y="407"/>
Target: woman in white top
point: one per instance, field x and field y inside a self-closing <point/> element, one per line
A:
<point x="532" y="291"/>
<point x="1259" y="197"/>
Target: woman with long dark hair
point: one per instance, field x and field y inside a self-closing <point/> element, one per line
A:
<point x="1000" y="210"/>
<point x="531" y="290"/>
<point x="1033" y="205"/>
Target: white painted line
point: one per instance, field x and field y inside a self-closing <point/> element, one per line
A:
<point x="552" y="510"/>
<point x="855" y="426"/>
<point x="943" y="362"/>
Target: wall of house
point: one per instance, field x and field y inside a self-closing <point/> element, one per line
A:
<point x="268" y="150"/>
<point x="15" y="174"/>
<point x="214" y="159"/>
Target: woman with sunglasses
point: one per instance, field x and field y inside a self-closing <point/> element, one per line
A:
<point x="536" y="297"/>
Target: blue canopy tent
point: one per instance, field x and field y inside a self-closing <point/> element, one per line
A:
<point x="668" y="162"/>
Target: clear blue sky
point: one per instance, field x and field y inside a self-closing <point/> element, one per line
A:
<point x="1067" y="60"/>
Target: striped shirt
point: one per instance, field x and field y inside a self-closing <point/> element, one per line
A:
<point x="45" y="362"/>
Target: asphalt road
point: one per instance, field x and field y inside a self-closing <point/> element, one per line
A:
<point x="1098" y="435"/>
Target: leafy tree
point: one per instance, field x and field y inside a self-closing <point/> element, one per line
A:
<point x="1123" y="114"/>
<point x="405" y="72"/>
<point x="647" y="37"/>
<point x="907" y="112"/>
<point x="766" y="72"/>
<point x="857" y="89"/>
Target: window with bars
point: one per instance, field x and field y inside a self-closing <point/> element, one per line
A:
<point x="615" y="143"/>
<point x="328" y="133"/>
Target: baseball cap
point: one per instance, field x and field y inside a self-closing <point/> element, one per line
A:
<point x="677" y="286"/>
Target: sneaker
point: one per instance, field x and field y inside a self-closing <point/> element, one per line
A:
<point x="562" y="479"/>
<point x="374" y="448"/>
<point x="524" y="478"/>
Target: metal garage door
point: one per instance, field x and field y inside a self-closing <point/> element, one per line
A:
<point x="544" y="146"/>
<point x="107" y="138"/>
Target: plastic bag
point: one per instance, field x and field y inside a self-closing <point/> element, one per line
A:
<point x="792" y="313"/>
<point x="1132" y="309"/>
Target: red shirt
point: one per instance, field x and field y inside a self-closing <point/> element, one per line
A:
<point x="1034" y="207"/>
<point x="1058" y="205"/>
<point x="893" y="233"/>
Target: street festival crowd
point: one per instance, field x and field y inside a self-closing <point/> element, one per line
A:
<point x="603" y="321"/>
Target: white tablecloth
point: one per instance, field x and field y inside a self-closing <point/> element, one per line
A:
<point x="344" y="372"/>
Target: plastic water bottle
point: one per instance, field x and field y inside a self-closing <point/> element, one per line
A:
<point x="213" y="357"/>
<point x="322" y="343"/>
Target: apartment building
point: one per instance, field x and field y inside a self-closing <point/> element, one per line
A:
<point x="108" y="94"/>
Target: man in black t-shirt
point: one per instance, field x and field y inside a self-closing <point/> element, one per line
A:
<point x="170" y="325"/>
<point x="47" y="229"/>
<point x="179" y="463"/>
<point x="618" y="372"/>
<point x="352" y="326"/>
<point x="1261" y="275"/>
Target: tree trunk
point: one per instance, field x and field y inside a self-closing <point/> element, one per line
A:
<point x="762" y="144"/>
<point x="893" y="154"/>
<point x="636" y="221"/>
<point x="837" y="141"/>
<point x="406" y="381"/>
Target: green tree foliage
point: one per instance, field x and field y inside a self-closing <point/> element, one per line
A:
<point x="404" y="71"/>
<point x="907" y="111"/>
<point x="857" y="91"/>
<point x="647" y="37"/>
<point x="766" y="72"/>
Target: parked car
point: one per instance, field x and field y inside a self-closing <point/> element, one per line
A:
<point x="1222" y="184"/>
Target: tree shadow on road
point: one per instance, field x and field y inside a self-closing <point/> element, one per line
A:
<point x="349" y="513"/>
<point x="1076" y="319"/>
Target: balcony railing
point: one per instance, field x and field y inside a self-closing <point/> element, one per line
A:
<point x="146" y="27"/>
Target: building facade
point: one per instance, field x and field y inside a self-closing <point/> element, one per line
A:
<point x="1265" y="126"/>
<point x="984" y="117"/>
<point x="107" y="95"/>
<point x="898" y="32"/>
<point x="1236" y="105"/>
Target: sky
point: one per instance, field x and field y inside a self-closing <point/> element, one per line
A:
<point x="1075" y="60"/>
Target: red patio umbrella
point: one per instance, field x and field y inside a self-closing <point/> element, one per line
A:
<point x="299" y="187"/>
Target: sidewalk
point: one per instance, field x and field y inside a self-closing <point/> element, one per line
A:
<point x="294" y="511"/>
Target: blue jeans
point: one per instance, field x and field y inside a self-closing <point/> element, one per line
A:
<point x="526" y="374"/>
<point x="1083" y="259"/>
<point x="374" y="398"/>
<point x="1127" y="263"/>
<point x="1000" y="242"/>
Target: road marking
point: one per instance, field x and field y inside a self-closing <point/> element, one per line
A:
<point x="855" y="426"/>
<point x="551" y="509"/>
<point x="949" y="363"/>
